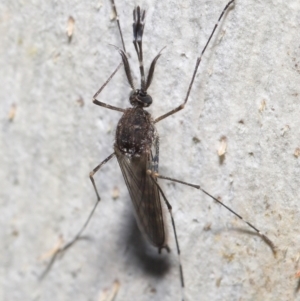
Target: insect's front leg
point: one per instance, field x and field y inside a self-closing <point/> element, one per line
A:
<point x="179" y="108"/>
<point x="102" y="104"/>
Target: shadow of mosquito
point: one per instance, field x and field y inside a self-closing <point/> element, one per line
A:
<point x="142" y="253"/>
<point x="297" y="287"/>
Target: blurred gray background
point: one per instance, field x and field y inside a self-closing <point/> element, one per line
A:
<point x="247" y="90"/>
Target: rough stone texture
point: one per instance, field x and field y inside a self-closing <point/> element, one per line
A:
<point x="52" y="143"/>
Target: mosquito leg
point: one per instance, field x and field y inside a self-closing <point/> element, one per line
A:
<point x="95" y="101"/>
<point x="102" y="104"/>
<point x="77" y="236"/>
<point x="92" y="173"/>
<point x="263" y="236"/>
<point x="118" y="22"/>
<point x="153" y="177"/>
<point x="196" y="69"/>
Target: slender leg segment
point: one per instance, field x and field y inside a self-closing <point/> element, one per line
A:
<point x="92" y="173"/>
<point x="195" y="70"/>
<point x="263" y="236"/>
<point x="77" y="236"/>
<point x="153" y="177"/>
<point x="102" y="104"/>
<point x="95" y="101"/>
<point x="118" y="22"/>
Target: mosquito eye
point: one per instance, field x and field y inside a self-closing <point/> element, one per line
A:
<point x="138" y="97"/>
<point x="145" y="99"/>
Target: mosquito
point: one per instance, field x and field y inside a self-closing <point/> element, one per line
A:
<point x="137" y="148"/>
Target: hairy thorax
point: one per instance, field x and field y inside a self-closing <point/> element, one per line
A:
<point x="135" y="132"/>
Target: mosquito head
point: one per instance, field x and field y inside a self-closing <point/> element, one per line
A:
<point x="140" y="98"/>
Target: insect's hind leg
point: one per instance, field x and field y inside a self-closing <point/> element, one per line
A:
<point x="259" y="233"/>
<point x="179" y="108"/>
<point x="77" y="236"/>
<point x="153" y="177"/>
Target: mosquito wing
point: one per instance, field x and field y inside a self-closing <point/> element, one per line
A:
<point x="145" y="197"/>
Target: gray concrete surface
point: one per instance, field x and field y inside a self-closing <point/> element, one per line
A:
<point x="247" y="90"/>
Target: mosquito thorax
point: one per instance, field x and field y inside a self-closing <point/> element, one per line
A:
<point x="135" y="132"/>
<point x="140" y="98"/>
